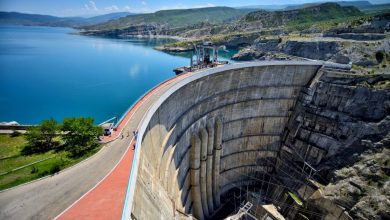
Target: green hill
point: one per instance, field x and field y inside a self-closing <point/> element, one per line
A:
<point x="175" y="18"/>
<point x="322" y="12"/>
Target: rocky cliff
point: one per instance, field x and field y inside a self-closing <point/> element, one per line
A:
<point x="319" y="50"/>
<point x="360" y="53"/>
<point x="337" y="146"/>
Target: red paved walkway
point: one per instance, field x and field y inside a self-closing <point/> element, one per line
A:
<point x="106" y="199"/>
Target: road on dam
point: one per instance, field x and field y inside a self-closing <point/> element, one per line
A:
<point x="76" y="191"/>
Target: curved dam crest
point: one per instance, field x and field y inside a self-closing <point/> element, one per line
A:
<point x="235" y="114"/>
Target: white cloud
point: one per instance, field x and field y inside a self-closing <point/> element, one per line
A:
<point x="91" y="6"/>
<point x="181" y="6"/>
<point x="126" y="8"/>
<point x="204" y="6"/>
<point x="111" y="8"/>
<point x="143" y="3"/>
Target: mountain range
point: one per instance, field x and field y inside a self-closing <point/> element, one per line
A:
<point x="16" y="18"/>
<point x="358" y="4"/>
<point x="181" y="18"/>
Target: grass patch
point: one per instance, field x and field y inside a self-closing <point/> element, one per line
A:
<point x="12" y="158"/>
<point x="10" y="147"/>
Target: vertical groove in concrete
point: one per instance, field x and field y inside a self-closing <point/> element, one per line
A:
<point x="203" y="171"/>
<point x="195" y="168"/>
<point x="210" y="146"/>
<point x="217" y="161"/>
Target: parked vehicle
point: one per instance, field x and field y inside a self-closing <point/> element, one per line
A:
<point x="107" y="128"/>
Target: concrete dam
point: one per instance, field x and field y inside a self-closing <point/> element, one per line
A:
<point x="249" y="133"/>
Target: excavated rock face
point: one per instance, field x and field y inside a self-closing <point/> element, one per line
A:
<point x="337" y="119"/>
<point x="321" y="50"/>
<point x="268" y="134"/>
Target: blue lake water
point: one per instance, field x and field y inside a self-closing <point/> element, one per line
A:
<point x="47" y="72"/>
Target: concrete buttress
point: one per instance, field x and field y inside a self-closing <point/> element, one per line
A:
<point x="197" y="209"/>
<point x="203" y="171"/>
<point x="210" y="146"/>
<point x="217" y="161"/>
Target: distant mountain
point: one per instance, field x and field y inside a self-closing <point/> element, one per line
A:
<point x="377" y="8"/>
<point x="359" y="4"/>
<point x="308" y="14"/>
<point x="175" y="18"/>
<point x="267" y="7"/>
<point x="16" y="18"/>
<point x="107" y="17"/>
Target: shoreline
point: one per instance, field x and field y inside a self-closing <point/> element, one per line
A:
<point x="143" y="36"/>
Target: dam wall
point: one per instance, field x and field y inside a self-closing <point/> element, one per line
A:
<point x="213" y="131"/>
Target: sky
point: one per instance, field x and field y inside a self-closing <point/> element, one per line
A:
<point x="97" y="7"/>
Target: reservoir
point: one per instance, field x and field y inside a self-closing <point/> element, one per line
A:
<point x="50" y="72"/>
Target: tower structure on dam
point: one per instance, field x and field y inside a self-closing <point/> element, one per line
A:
<point x="235" y="134"/>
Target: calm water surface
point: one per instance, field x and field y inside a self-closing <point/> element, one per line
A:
<point x="47" y="72"/>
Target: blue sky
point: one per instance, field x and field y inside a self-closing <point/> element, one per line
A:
<point x="96" y="7"/>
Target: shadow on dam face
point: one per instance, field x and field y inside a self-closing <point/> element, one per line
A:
<point x="214" y="141"/>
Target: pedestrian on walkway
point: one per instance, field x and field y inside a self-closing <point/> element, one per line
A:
<point x="135" y="133"/>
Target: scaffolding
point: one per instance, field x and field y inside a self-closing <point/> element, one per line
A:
<point x="263" y="206"/>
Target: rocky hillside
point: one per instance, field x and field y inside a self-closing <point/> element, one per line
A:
<point x="310" y="14"/>
<point x="203" y="22"/>
<point x="362" y="43"/>
<point x="372" y="24"/>
<point x="364" y="186"/>
<point x="356" y="28"/>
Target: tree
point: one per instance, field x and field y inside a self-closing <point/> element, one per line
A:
<point x="35" y="141"/>
<point x="42" y="137"/>
<point x="80" y="135"/>
<point x="50" y="129"/>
